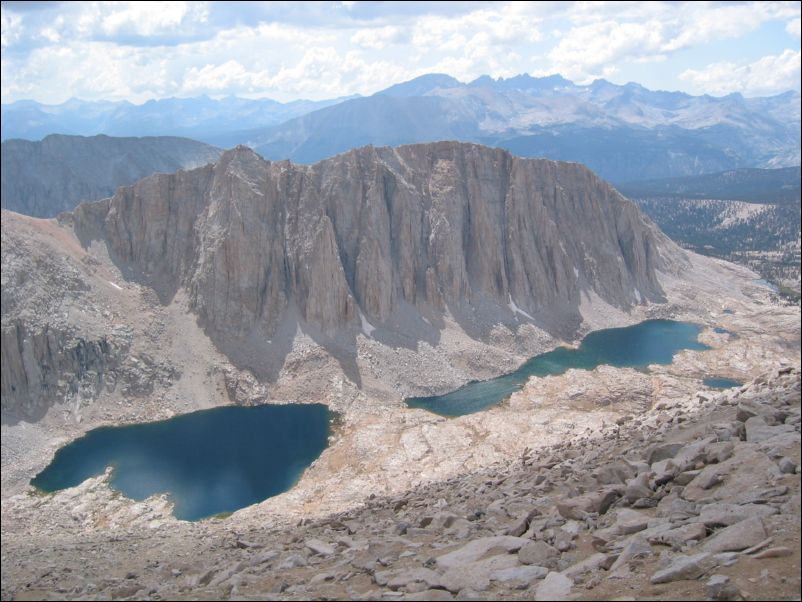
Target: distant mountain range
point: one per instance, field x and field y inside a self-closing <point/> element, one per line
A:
<point x="202" y="118"/>
<point x="624" y="133"/>
<point x="44" y="178"/>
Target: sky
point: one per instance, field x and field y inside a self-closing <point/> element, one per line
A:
<point x="135" y="51"/>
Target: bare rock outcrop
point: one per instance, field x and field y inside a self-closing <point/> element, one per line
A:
<point x="66" y="333"/>
<point x="41" y="365"/>
<point x="395" y="237"/>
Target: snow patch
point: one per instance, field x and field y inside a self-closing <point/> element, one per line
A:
<point x="637" y="294"/>
<point x="117" y="286"/>
<point x="367" y="327"/>
<point x="517" y="310"/>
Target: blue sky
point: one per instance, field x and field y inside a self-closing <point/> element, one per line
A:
<point x="52" y="51"/>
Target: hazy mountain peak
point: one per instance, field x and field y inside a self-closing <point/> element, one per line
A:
<point x="625" y="132"/>
<point x="522" y="82"/>
<point x="216" y="121"/>
<point x="421" y="85"/>
<point x="45" y="178"/>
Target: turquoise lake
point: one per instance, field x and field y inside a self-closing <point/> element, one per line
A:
<point x="209" y="462"/>
<point x="637" y="346"/>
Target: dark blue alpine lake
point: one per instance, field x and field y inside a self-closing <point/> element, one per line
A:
<point x="220" y="460"/>
<point x="209" y="462"/>
<point x="637" y="346"/>
<point x="721" y="383"/>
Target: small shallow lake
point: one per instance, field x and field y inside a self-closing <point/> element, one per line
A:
<point x="209" y="462"/>
<point x="637" y="346"/>
<point x="721" y="383"/>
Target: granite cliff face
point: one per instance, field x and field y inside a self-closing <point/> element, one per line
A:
<point x="44" y="178"/>
<point x="459" y="257"/>
<point x="382" y="238"/>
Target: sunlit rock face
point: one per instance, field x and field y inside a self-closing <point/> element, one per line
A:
<point x="433" y="227"/>
<point x="388" y="243"/>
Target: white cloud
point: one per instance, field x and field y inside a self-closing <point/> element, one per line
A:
<point x="50" y="34"/>
<point x="119" y="22"/>
<point x="720" y="18"/>
<point x="610" y="35"/>
<point x="377" y="38"/>
<point x="265" y="37"/>
<point x="89" y="70"/>
<point x="217" y="78"/>
<point x="794" y="27"/>
<point x="272" y="59"/>
<point x="141" y="19"/>
<point x="590" y="51"/>
<point x="144" y="18"/>
<point x="485" y="41"/>
<point x="701" y="22"/>
<point x="285" y="51"/>
<point x="11" y="28"/>
<point x="768" y="75"/>
<point x="506" y="25"/>
<point x="324" y="72"/>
